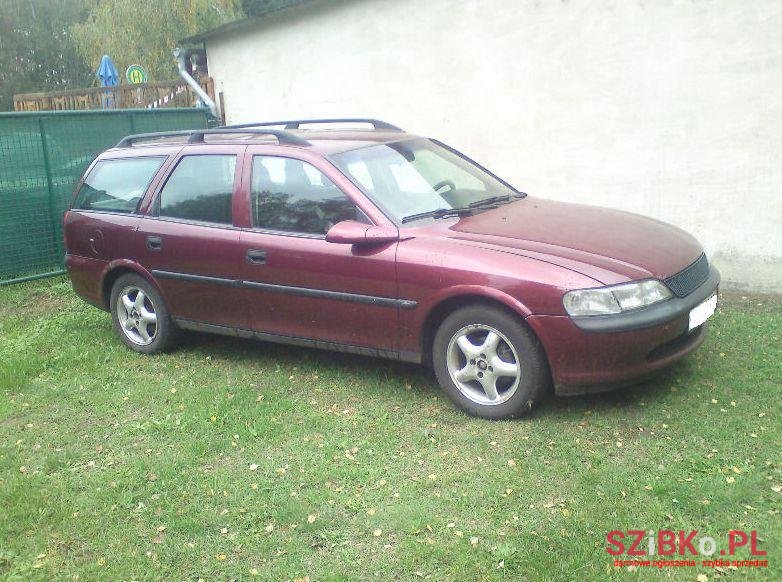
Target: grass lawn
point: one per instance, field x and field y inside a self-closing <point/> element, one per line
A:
<point x="228" y="458"/>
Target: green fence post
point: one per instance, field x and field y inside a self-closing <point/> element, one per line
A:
<point x="50" y="188"/>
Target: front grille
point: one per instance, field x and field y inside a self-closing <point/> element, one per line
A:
<point x="685" y="282"/>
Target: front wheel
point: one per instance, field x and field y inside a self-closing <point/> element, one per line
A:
<point x="489" y="363"/>
<point x="140" y="316"/>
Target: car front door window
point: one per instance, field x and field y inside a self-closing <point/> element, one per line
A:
<point x="290" y="195"/>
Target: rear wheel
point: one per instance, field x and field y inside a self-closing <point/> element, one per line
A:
<point x="140" y="316"/>
<point x="489" y="363"/>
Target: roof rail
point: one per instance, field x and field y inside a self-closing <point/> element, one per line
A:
<point x="295" y="123"/>
<point x="197" y="135"/>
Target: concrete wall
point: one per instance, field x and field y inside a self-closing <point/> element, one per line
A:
<point x="667" y="108"/>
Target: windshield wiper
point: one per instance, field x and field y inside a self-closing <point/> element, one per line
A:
<point x="491" y="201"/>
<point x="438" y="213"/>
<point x="495" y="200"/>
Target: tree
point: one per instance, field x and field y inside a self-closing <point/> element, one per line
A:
<point x="37" y="52"/>
<point x="145" y="32"/>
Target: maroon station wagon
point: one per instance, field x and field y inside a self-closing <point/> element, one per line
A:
<point x="355" y="236"/>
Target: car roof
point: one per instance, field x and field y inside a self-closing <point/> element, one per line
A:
<point x="324" y="141"/>
<point x="331" y="141"/>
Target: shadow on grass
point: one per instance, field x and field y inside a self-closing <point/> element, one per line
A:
<point x="249" y="351"/>
<point x="253" y="352"/>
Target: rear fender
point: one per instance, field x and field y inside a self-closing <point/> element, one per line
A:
<point x="117" y="268"/>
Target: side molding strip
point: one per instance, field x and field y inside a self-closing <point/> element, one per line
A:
<point x="337" y="295"/>
<point x="196" y="278"/>
<point x="288" y="290"/>
<point x="298" y="341"/>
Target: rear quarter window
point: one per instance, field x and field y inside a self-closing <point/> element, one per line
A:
<point x="117" y="185"/>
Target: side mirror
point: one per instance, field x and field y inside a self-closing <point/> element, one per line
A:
<point x="352" y="232"/>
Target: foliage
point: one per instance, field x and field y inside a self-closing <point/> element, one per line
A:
<point x="258" y="7"/>
<point x="36" y="49"/>
<point x="228" y="458"/>
<point x="145" y="32"/>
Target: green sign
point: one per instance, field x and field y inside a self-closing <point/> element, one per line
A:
<point x="136" y="75"/>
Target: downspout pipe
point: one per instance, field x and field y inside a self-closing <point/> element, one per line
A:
<point x="181" y="59"/>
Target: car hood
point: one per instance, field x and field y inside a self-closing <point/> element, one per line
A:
<point x="608" y="245"/>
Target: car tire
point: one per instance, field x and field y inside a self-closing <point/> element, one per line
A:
<point x="490" y="363"/>
<point x="140" y="316"/>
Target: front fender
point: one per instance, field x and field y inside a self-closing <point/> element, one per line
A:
<point x="473" y="291"/>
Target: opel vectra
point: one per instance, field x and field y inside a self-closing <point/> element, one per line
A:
<point x="355" y="236"/>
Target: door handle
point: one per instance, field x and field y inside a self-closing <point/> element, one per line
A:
<point x="154" y="243"/>
<point x="256" y="257"/>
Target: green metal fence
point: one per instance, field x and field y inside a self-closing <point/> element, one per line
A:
<point x="42" y="154"/>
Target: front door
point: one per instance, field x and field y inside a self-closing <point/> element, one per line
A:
<point x="190" y="244"/>
<point x="297" y="284"/>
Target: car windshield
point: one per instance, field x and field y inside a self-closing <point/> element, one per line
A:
<point x="419" y="178"/>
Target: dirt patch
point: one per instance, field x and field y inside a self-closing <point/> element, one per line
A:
<point x="34" y="304"/>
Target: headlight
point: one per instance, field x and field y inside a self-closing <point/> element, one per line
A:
<point x="616" y="299"/>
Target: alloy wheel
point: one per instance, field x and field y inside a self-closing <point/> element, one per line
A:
<point x="137" y="315"/>
<point x="483" y="364"/>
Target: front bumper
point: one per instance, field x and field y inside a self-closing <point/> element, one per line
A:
<point x="599" y="353"/>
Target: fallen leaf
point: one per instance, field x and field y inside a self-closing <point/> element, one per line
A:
<point x="377" y="533"/>
<point x="253" y="467"/>
<point x="311" y="519"/>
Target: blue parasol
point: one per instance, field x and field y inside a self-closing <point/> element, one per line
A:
<point x="107" y="73"/>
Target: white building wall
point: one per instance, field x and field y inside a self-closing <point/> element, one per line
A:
<point x="666" y="108"/>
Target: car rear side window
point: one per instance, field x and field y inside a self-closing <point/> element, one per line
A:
<point x="117" y="185"/>
<point x="200" y="188"/>
<point x="291" y="195"/>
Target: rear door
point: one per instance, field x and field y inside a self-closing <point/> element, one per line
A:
<point x="189" y="240"/>
<point x="297" y="284"/>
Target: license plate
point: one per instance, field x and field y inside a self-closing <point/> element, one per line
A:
<point x="702" y="312"/>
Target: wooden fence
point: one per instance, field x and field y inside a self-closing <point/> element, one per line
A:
<point x="144" y="96"/>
